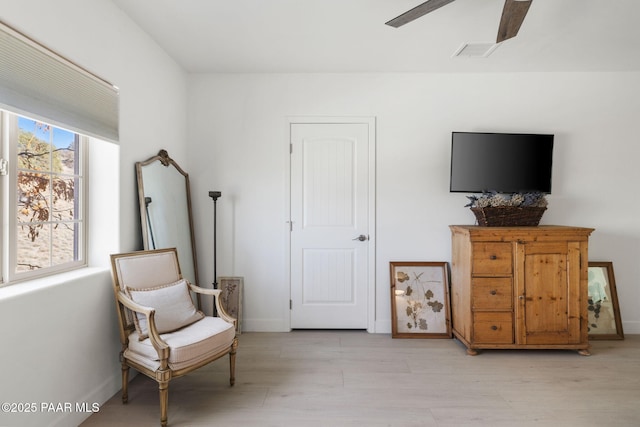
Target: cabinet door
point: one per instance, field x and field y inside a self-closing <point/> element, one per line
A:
<point x="548" y="289"/>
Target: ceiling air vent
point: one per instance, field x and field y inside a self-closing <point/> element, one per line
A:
<point x="475" y="50"/>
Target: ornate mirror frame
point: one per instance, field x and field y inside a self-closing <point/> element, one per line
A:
<point x="165" y="210"/>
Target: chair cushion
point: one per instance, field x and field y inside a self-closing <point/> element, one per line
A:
<point x="188" y="345"/>
<point x="173" y="305"/>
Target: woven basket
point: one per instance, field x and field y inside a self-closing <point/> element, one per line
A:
<point x="508" y="216"/>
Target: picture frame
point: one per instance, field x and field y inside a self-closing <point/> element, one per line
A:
<point x="604" y="320"/>
<point x="231" y="288"/>
<point x="420" y="305"/>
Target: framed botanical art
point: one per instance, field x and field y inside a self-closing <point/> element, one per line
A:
<point x="420" y="305"/>
<point x="603" y="310"/>
<point x="231" y="298"/>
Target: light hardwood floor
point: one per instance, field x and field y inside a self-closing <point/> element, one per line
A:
<point x="352" y="378"/>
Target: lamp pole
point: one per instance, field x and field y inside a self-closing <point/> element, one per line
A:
<point x="214" y="195"/>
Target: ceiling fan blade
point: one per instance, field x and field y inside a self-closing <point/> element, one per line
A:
<point x="512" y="16"/>
<point x="417" y="12"/>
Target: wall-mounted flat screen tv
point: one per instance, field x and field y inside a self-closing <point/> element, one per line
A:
<point x="502" y="162"/>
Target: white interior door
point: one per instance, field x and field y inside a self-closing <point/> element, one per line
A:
<point x="330" y="231"/>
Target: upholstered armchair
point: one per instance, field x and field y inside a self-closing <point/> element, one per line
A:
<point x="163" y="335"/>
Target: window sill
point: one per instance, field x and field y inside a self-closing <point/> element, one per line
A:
<point x="22" y="288"/>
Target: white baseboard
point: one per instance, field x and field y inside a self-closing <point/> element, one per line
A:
<point x="631" y="327"/>
<point x="383" y="327"/>
<point x="86" y="405"/>
<point x="264" y="325"/>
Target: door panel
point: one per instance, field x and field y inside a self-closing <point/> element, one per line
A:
<point x="328" y="276"/>
<point x="329" y="209"/>
<point x="549" y="307"/>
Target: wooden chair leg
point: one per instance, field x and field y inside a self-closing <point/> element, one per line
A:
<point x="232" y="362"/>
<point x="125" y="383"/>
<point x="164" y="402"/>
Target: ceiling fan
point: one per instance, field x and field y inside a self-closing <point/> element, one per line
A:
<point x="512" y="16"/>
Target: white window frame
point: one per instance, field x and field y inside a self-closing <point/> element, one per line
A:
<point x="71" y="98"/>
<point x="10" y="231"/>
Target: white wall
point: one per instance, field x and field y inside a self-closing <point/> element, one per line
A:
<point x="59" y="336"/>
<point x="238" y="145"/>
<point x="66" y="349"/>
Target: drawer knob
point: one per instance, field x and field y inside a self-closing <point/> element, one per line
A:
<point x="494" y="328"/>
<point x="493" y="257"/>
<point x="493" y="292"/>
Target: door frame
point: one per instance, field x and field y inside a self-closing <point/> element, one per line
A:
<point x="370" y="121"/>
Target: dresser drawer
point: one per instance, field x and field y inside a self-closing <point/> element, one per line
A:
<point x="492" y="258"/>
<point x="491" y="293"/>
<point x="493" y="327"/>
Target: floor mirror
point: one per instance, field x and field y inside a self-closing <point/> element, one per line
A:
<point x="165" y="210"/>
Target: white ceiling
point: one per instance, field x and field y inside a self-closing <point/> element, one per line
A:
<point x="350" y="35"/>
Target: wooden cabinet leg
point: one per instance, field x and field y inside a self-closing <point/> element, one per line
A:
<point x="472" y="352"/>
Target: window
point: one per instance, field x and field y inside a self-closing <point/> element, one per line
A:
<point x="45" y="198"/>
<point x="43" y="171"/>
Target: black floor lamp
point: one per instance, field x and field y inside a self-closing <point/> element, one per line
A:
<point x="214" y="195"/>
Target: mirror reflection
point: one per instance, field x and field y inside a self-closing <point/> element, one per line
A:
<point x="165" y="210"/>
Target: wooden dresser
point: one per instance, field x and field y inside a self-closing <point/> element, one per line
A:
<point x="520" y="287"/>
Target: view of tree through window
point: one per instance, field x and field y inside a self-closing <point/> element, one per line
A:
<point x="49" y="180"/>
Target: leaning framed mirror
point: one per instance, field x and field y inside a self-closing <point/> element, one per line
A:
<point x="165" y="210"/>
<point x="604" y="319"/>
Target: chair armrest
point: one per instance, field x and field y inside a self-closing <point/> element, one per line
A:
<point x="216" y="294"/>
<point x="134" y="306"/>
<point x="158" y="343"/>
<point x="205" y="291"/>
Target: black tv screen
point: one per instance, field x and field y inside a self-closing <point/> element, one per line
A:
<point x="502" y="162"/>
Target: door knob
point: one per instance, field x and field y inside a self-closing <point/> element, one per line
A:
<point x="362" y="238"/>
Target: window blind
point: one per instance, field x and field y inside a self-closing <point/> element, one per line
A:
<point x="37" y="82"/>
